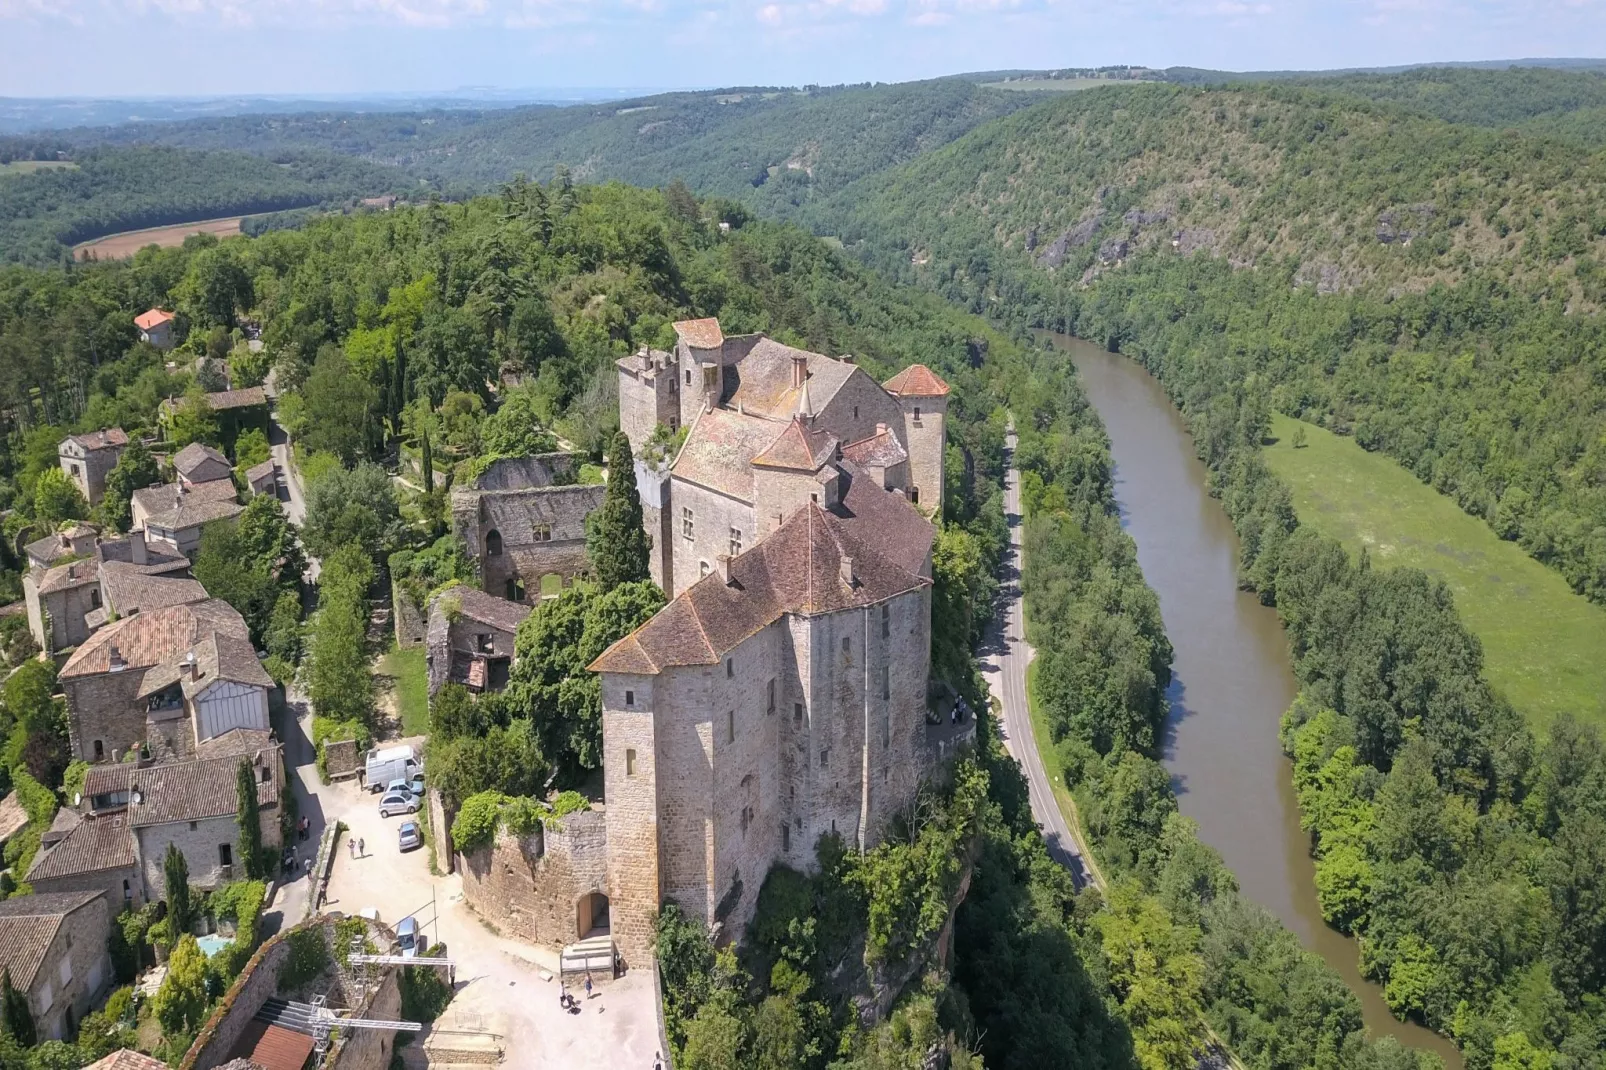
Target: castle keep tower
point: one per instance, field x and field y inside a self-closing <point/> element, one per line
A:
<point x="923" y="396"/>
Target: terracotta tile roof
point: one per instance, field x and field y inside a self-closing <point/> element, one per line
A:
<point x="700" y="334"/>
<point x="719" y="451"/>
<point x="53" y="548"/>
<point x="12" y="816"/>
<point x="28" y="924"/>
<point x="73" y="574"/>
<point x="131" y="589"/>
<point x="236" y="743"/>
<point x="764" y="380"/>
<point x="148" y="639"/>
<point x="159" y="557"/>
<point x="108" y="778"/>
<point x="190" y="791"/>
<point x="127" y="1060"/>
<point x="476" y="605"/>
<point x="880" y="450"/>
<point x="224" y="399"/>
<point x="96" y="844"/>
<point x="194" y="456"/>
<point x="798" y="569"/>
<point x="917" y="381"/>
<point x="165" y="496"/>
<point x="107" y="438"/>
<point x="154" y="318"/>
<point x="273" y="1047"/>
<point x="799" y="447"/>
<point x="190" y="513"/>
<point x="885" y="519"/>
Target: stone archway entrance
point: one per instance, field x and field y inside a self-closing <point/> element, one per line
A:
<point x="591" y="916"/>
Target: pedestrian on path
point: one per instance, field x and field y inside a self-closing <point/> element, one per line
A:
<point x="362" y="849"/>
<point x="352" y="847"/>
<point x="588" y="984"/>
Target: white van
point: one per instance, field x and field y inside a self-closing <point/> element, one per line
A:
<point x="391" y="763"/>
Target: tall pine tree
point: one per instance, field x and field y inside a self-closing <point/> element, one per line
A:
<point x="616" y="541"/>
<point x="250" y="820"/>
<point x="15" y="1018"/>
<point x="176" y="872"/>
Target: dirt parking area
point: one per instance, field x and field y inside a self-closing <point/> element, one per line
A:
<point x="503" y="986"/>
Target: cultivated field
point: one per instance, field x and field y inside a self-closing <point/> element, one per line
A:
<point x="1544" y="646"/>
<point x="129" y="242"/>
<point x="28" y="167"/>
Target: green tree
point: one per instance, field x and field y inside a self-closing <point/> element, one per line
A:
<point x="56" y="499"/>
<point x="616" y="541"/>
<point x="36" y="722"/>
<point x="352" y="507"/>
<point x="180" y="910"/>
<point x="283" y="636"/>
<point x="15" y="1018"/>
<point x="341" y="408"/>
<point x="192" y="420"/>
<point x="514" y="429"/>
<point x="251" y="448"/>
<point x="135" y="468"/>
<point x="225" y="566"/>
<point x="341" y="685"/>
<point x="249" y="818"/>
<point x="180" y="1004"/>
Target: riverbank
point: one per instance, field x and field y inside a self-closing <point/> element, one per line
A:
<point x="1232" y="678"/>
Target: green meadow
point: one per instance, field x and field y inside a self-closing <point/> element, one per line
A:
<point x="1544" y="646"/>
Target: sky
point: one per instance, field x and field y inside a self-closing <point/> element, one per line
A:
<point x="123" y="48"/>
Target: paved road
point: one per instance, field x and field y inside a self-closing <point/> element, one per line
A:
<point x="1005" y="655"/>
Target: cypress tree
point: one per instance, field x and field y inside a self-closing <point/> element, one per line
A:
<point x="617" y="541"/>
<point x="429" y="463"/>
<point x="177" y="874"/>
<point x="250" y="820"/>
<point x="15" y="1018"/>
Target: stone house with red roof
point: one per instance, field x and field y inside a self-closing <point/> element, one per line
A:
<point x="156" y="328"/>
<point x="87" y="458"/>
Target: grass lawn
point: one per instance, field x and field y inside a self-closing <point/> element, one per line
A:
<point x="28" y="167"/>
<point x="1544" y="646"/>
<point x="409" y="676"/>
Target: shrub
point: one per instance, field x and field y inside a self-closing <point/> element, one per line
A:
<point x="309" y="957"/>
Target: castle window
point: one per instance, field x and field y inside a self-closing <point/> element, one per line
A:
<point x="687" y="531"/>
<point x="100" y="750"/>
<point x="917" y="415"/>
<point x="770" y="707"/>
<point x="730" y="726"/>
<point x="542" y="532"/>
<point x="855" y="412"/>
<point x="825" y="757"/>
<point x="484" y="643"/>
<point x="786" y="837"/>
<point x="736" y="542"/>
<point x="630" y="762"/>
<point x="797" y="713"/>
<point x="128" y="892"/>
<point x="515" y="590"/>
<point x="630" y="699"/>
<point x="493" y="543"/>
<point x="688" y="376"/>
<point x="94" y="597"/>
<point x="847" y="645"/>
<point x="267" y="774"/>
<point x="225" y="855"/>
<point x="702" y="569"/>
<point x="886" y="621"/>
<point x="914" y="495"/>
<point x="730" y="668"/>
<point x="886" y="682"/>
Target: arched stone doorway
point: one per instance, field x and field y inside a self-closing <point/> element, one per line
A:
<point x="591" y="916"/>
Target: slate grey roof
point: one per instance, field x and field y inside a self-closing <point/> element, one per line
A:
<point x="190" y="513"/>
<point x="197" y="455"/>
<point x="476" y="605"/>
<point x="166" y="496"/>
<point x="131" y="589"/>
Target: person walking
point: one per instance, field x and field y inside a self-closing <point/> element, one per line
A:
<point x="351" y="845"/>
<point x="362" y="849"/>
<point x="588" y="984"/>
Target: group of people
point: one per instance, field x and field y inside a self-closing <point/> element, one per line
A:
<point x="568" y="1002"/>
<point x="359" y="848"/>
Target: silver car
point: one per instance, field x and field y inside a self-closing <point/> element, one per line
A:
<point x="398" y="802"/>
<point x="409" y="836"/>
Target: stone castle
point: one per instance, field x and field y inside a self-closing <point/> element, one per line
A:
<point x="781" y="695"/>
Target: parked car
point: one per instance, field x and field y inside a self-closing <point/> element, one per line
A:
<point x="398" y="802"/>
<point x="408" y="837"/>
<point x="384" y="765"/>
<point x="407" y="928"/>
<point x="401" y="784"/>
<point x="417" y="785"/>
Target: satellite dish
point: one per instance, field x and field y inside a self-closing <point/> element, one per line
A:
<point x="138" y="798"/>
<point x="77" y="798"/>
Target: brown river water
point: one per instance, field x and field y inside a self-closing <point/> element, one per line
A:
<point x="1232" y="676"/>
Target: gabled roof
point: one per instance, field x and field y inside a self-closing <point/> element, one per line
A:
<point x="53" y="548"/>
<point x="719" y="451"/>
<point x="109" y="438"/>
<point x="166" y="496"/>
<point x="217" y="657"/>
<point x="79" y="573"/>
<point x="799" y="447"/>
<point x="132" y="589"/>
<point x="476" y="605"/>
<point x="95" y="844"/>
<point x="236" y="743"/>
<point x="258" y="472"/>
<point x="154" y="318"/>
<point x="127" y="1060"/>
<point x="225" y="399"/>
<point x="880" y="450"/>
<point x="765" y="380"/>
<point x="28" y="926"/>
<point x="150" y="638"/>
<point x="701" y="334"/>
<point x="190" y="791"/>
<point x="797" y="569"/>
<point x="194" y="456"/>
<point x="190" y="513"/>
<point x="917" y="381"/>
<point x="885" y="519"/>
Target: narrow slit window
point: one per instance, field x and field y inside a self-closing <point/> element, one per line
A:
<point x="886" y="621"/>
<point x="630" y="762"/>
<point x="769" y="706"/>
<point x="730" y="726"/>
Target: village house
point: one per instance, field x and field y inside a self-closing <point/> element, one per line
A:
<point x="78" y="540"/>
<point x="166" y="679"/>
<point x="174" y="513"/>
<point x="87" y="458"/>
<point x="524" y="524"/>
<point x="54" y="946"/>
<point x="156" y="328"/>
<point x="736" y="396"/>
<point x="117" y="837"/>
<point x="263" y="478"/>
<point x="470" y="639"/>
<point x="199" y="463"/>
<point x="235" y="410"/>
<point x="66" y="602"/>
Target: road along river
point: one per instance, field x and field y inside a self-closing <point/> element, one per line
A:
<point x="1232" y="676"/>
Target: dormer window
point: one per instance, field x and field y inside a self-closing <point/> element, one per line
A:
<point x="169" y="698"/>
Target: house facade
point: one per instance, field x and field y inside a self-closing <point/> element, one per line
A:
<point x="67" y="602"/>
<point x="173" y="514"/>
<point x="87" y="458"/>
<point x="156" y="328"/>
<point x="470" y="639"/>
<point x="54" y="945"/>
<point x="524" y="524"/>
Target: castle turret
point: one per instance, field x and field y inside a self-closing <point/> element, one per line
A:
<point x="923" y="396"/>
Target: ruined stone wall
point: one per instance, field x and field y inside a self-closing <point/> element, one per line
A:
<point x="713" y="517"/>
<point x="647" y="399"/>
<point x="529" y="886"/>
<point x="103" y="707"/>
<point x="440" y="831"/>
<point x="257" y="983"/>
<point x="369" y="1049"/>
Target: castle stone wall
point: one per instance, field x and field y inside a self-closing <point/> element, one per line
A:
<point x="530" y="886"/>
<point x="713" y="516"/>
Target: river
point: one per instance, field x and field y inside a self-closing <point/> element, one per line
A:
<point x="1232" y="677"/>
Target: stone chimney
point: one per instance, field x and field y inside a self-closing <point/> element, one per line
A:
<point x="848" y="358"/>
<point x="847" y="570"/>
<point x="725" y="569"/>
<point x="880" y="429"/>
<point x="192" y="668"/>
<point x="136" y="549"/>
<point x="800" y="371"/>
<point x="115" y="656"/>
